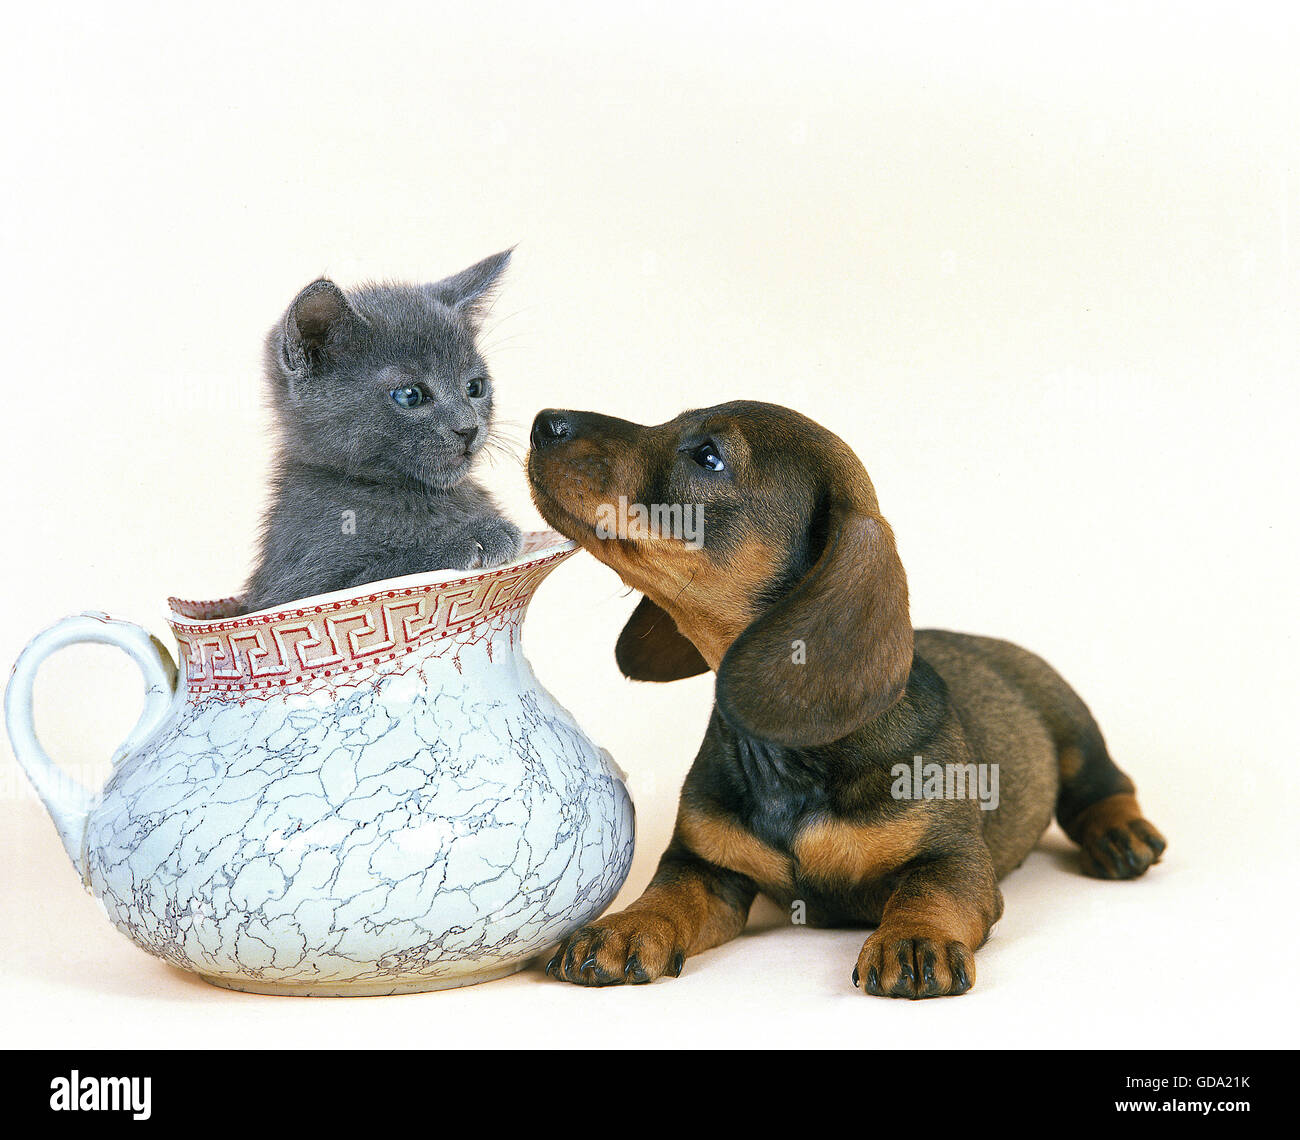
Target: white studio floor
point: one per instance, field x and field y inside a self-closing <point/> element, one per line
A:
<point x="1178" y="960"/>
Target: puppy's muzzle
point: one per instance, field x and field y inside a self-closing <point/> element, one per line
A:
<point x="551" y="427"/>
<point x="555" y="426"/>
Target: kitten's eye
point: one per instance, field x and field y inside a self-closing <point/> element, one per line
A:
<point x="706" y="455"/>
<point x="408" y="397"/>
<point x="475" y="388"/>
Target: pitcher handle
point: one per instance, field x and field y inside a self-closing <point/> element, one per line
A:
<point x="67" y="801"/>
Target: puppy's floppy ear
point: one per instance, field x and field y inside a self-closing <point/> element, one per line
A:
<point x="835" y="651"/>
<point x="651" y="648"/>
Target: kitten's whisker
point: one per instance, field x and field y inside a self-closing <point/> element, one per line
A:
<point x="498" y="322"/>
<point x="491" y="347"/>
<point x="495" y="449"/>
<point x="489" y="322"/>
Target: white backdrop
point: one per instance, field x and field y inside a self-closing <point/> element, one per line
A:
<point x="1036" y="263"/>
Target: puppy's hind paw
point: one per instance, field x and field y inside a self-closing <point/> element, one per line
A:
<point x="1117" y="842"/>
<point x="1123" y="852"/>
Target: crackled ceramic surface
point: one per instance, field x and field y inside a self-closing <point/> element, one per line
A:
<point x="350" y="795"/>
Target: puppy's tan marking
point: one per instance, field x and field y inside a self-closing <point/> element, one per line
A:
<point x="714" y="605"/>
<point x="839" y="851"/>
<point x="680" y="913"/>
<point x="694" y="913"/>
<point x="727" y="844"/>
<point x="939" y="916"/>
<point x="1070" y="762"/>
<point x="710" y="604"/>
<point x="1099" y="818"/>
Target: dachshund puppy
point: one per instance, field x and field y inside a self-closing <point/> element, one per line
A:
<point x="816" y="781"/>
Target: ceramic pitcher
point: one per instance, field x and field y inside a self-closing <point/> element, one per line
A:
<point x="360" y="793"/>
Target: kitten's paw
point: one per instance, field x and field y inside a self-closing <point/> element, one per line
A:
<point x="489" y="543"/>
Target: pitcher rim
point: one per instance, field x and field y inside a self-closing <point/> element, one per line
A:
<point x="547" y="544"/>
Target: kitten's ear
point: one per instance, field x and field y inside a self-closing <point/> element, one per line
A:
<point x="471" y="289"/>
<point x="317" y="323"/>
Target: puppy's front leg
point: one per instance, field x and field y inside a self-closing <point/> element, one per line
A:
<point x="689" y="906"/>
<point x="938" y="916"/>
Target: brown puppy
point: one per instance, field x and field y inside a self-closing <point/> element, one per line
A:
<point x="815" y="783"/>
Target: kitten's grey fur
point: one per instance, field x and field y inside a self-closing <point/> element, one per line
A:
<point x="364" y="488"/>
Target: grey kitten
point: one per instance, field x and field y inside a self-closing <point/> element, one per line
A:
<point x="381" y="402"/>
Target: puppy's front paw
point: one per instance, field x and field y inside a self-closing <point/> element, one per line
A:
<point x="898" y="964"/>
<point x="632" y="947"/>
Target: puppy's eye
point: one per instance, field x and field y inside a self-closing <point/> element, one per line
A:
<point x="475" y="388"/>
<point x="411" y="396"/>
<point x="706" y="455"/>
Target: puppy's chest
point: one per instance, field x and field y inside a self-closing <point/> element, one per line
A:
<point x="787" y="836"/>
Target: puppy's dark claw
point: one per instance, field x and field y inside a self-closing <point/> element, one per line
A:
<point x="957" y="968"/>
<point x="634" y="971"/>
<point x="927" y="971"/>
<point x="570" y="959"/>
<point x="906" y="984"/>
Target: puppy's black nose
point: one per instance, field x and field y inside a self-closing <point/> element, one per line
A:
<point x="551" y="427"/>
